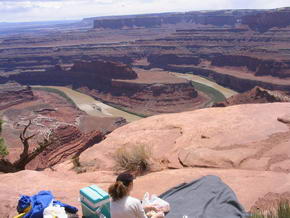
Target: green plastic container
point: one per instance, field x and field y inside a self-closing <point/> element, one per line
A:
<point x="95" y="202"/>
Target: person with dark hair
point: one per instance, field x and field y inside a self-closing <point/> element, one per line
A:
<point x="125" y="206"/>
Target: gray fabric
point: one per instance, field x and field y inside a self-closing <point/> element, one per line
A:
<point x="207" y="197"/>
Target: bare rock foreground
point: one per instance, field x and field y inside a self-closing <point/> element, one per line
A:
<point x="238" y="137"/>
<point x="246" y="145"/>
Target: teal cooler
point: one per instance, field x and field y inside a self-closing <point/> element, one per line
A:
<point x="95" y="202"/>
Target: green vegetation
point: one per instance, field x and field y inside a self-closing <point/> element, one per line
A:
<point x="3" y="148"/>
<point x="283" y="211"/>
<point x="133" y="158"/>
<point x="215" y="95"/>
<point x="56" y="91"/>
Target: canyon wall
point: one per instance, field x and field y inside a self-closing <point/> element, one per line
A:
<point x="217" y="18"/>
<point x="96" y="74"/>
<point x="259" y="67"/>
<point x="154" y="98"/>
<point x="68" y="142"/>
<point x="235" y="83"/>
<point x="266" y="20"/>
<point x="13" y="93"/>
<point x="258" y="20"/>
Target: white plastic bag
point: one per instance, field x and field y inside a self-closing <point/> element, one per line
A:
<point x="146" y="200"/>
<point x="155" y="201"/>
<point x="54" y="211"/>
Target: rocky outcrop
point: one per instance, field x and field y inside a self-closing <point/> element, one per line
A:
<point x="254" y="96"/>
<point x="150" y="99"/>
<point x="67" y="142"/>
<point x="209" y="138"/>
<point x="13" y="93"/>
<point x="259" y="67"/>
<point x="266" y="20"/>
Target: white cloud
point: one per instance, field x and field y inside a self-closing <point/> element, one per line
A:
<point x="24" y="10"/>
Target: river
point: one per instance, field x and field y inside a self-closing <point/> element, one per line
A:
<point x="225" y="91"/>
<point x="93" y="107"/>
<point x="96" y="108"/>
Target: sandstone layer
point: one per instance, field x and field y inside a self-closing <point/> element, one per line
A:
<point x="255" y="96"/>
<point x="68" y="142"/>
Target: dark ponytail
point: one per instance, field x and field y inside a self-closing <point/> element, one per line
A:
<point x="118" y="190"/>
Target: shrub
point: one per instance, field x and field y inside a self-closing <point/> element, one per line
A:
<point x="77" y="165"/>
<point x="1" y="122"/>
<point x="3" y="148"/>
<point x="283" y="211"/>
<point x="133" y="158"/>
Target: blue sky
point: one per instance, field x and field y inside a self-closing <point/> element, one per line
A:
<point x="41" y="10"/>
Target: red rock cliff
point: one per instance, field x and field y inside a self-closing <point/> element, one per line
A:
<point x="68" y="141"/>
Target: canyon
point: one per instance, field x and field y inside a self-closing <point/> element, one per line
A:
<point x="222" y="45"/>
<point x="140" y="91"/>
<point x="155" y="64"/>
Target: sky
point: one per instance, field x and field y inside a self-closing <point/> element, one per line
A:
<point x="44" y="10"/>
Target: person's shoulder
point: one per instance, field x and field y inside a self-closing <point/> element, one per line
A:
<point x="134" y="200"/>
